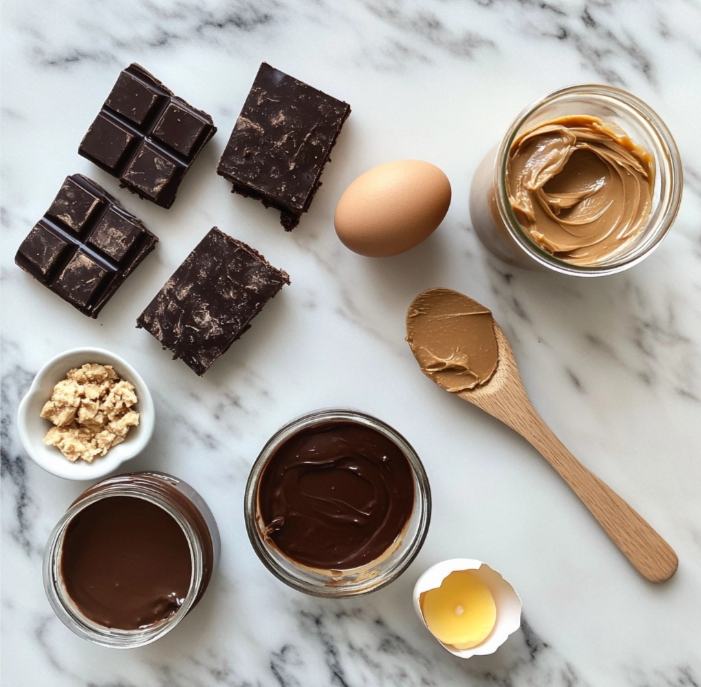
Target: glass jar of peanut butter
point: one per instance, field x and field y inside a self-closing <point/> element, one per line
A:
<point x="587" y="181"/>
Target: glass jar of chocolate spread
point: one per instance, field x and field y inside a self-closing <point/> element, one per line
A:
<point x="130" y="558"/>
<point x="337" y="504"/>
<point x="587" y="181"/>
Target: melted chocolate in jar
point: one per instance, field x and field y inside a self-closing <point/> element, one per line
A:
<point x="126" y="563"/>
<point x="336" y="496"/>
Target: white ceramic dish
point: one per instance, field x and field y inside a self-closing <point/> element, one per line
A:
<point x="32" y="427"/>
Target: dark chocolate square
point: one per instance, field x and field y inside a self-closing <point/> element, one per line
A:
<point x="73" y="205"/>
<point x="180" y="128"/>
<point x="146" y="137"/>
<point x="281" y="143"/>
<point x="85" y="246"/>
<point x="107" y="144"/>
<point x="82" y="279"/>
<point x="153" y="174"/>
<point x="211" y="299"/>
<point x="115" y="234"/>
<point x="132" y="98"/>
<point x="43" y="249"/>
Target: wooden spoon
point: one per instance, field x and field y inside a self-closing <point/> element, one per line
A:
<point x="501" y="394"/>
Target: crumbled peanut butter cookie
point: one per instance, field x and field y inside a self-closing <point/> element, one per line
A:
<point x="91" y="411"/>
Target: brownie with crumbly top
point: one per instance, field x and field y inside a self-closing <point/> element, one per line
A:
<point x="281" y="142"/>
<point x="210" y="300"/>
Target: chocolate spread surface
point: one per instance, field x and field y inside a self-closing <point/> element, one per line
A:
<point x="125" y="563"/>
<point x="336" y="496"/>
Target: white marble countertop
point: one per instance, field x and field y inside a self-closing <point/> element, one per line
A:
<point x="613" y="364"/>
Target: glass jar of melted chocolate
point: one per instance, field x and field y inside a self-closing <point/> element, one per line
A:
<point x="337" y="504"/>
<point x="130" y="558"/>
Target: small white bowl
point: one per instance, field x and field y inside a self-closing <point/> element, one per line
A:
<point x="32" y="427"/>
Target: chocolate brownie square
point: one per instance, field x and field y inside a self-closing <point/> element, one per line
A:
<point x="210" y="300"/>
<point x="281" y="143"/>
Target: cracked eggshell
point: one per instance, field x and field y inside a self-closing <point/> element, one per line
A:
<point x="507" y="601"/>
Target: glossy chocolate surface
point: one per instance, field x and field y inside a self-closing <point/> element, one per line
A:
<point x="126" y="563"/>
<point x="336" y="496"/>
<point x="85" y="246"/>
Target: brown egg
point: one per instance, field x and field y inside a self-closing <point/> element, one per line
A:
<point x="392" y="208"/>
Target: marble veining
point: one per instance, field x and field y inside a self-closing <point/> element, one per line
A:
<point x="613" y="365"/>
<point x="16" y="381"/>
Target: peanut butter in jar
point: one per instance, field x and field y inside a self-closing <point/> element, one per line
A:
<point x="587" y="181"/>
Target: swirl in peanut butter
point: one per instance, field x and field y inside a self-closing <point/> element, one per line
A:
<point x="580" y="189"/>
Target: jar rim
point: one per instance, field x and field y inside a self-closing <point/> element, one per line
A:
<point x="331" y="589"/>
<point x="87" y="629"/>
<point x="670" y="170"/>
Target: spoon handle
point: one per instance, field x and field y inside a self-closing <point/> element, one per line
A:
<point x="651" y="555"/>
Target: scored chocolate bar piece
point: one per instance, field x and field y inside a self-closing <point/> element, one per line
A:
<point x="85" y="246"/>
<point x="281" y="142"/>
<point x="146" y="136"/>
<point x="210" y="300"/>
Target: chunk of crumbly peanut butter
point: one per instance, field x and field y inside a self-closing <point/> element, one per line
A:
<point x="91" y="411"/>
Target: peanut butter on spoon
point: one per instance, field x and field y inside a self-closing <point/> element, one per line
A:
<point x="453" y="339"/>
<point x="459" y="346"/>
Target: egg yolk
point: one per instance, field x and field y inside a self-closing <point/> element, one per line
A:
<point x="461" y="612"/>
